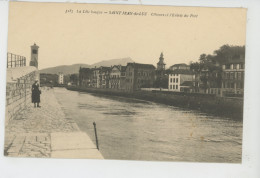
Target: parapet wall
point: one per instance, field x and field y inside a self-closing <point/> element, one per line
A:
<point x="18" y="90"/>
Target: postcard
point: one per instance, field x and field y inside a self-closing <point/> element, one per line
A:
<point x="125" y="82"/>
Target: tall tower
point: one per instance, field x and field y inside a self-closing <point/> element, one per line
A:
<point x="34" y="55"/>
<point x="161" y="64"/>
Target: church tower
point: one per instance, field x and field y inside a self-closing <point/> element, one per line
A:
<point x="34" y="55"/>
<point x="161" y="64"/>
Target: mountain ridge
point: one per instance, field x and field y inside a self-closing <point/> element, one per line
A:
<point x="74" y="68"/>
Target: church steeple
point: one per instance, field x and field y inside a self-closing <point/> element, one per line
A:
<point x="161" y="64"/>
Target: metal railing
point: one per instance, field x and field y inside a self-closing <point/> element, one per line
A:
<point x="14" y="60"/>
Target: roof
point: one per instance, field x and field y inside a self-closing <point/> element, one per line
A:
<point x="182" y="71"/>
<point x="181" y="64"/>
<point x="115" y="66"/>
<point x="83" y="69"/>
<point x="187" y="83"/>
<point x="138" y="65"/>
<point x="235" y="61"/>
<point x="123" y="68"/>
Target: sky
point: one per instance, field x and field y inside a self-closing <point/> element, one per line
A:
<point x="70" y="38"/>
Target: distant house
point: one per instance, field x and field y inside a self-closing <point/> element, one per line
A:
<point x="104" y="74"/>
<point x="61" y="78"/>
<point x="233" y="76"/>
<point x="139" y="76"/>
<point x="114" y="80"/>
<point x="117" y="77"/>
<point x="181" y="80"/>
<point x="181" y="66"/>
<point x="122" y="77"/>
<point x="95" y="82"/>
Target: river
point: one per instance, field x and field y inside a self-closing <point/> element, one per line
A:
<point x="132" y="129"/>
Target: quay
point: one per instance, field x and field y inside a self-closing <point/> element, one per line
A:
<point x="218" y="106"/>
<point x="46" y="132"/>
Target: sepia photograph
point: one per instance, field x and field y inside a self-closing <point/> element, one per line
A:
<point x="125" y="82"/>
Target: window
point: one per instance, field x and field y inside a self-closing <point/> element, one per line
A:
<point x="170" y="86"/>
<point x="227" y="75"/>
<point x="177" y="87"/>
<point x="171" y="80"/>
<point x="176" y="81"/>
<point x="34" y="51"/>
<point x="231" y="75"/>
<point x="173" y="86"/>
<point x="232" y="85"/>
<point x="238" y="85"/>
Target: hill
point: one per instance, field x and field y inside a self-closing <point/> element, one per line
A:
<point x="70" y="69"/>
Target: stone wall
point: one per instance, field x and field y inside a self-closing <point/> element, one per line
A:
<point x="207" y="103"/>
<point x="18" y="93"/>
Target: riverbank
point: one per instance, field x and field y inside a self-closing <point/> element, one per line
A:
<point x="47" y="132"/>
<point x="219" y="106"/>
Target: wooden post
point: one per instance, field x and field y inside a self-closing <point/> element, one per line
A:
<point x="96" y="135"/>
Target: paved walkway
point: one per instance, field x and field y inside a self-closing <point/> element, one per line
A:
<point x="46" y="132"/>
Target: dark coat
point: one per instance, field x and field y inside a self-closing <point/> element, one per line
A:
<point x="36" y="93"/>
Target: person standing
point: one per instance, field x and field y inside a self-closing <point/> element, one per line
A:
<point x="36" y="92"/>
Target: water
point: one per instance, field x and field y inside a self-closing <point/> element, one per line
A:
<point x="134" y="129"/>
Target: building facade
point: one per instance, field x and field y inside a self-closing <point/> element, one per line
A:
<point x="139" y="76"/>
<point x="115" y="75"/>
<point x="181" y="80"/>
<point x="233" y="77"/>
<point x="122" y="77"/>
<point x="104" y="75"/>
<point x="95" y="81"/>
<point x="61" y="78"/>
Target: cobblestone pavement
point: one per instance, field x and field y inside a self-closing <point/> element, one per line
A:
<point x="28" y="135"/>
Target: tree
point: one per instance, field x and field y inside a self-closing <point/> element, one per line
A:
<point x="227" y="52"/>
<point x="74" y="79"/>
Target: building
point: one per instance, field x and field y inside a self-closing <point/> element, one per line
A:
<point x="61" y="78"/>
<point x="181" y="80"/>
<point x="233" y="76"/>
<point x="34" y="55"/>
<point x="139" y="76"/>
<point x="161" y="64"/>
<point x="95" y="81"/>
<point x="181" y="66"/>
<point x="116" y="80"/>
<point x="122" y="77"/>
<point x="104" y="75"/>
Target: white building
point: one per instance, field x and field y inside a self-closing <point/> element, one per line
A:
<point x="181" y="80"/>
<point x="61" y="78"/>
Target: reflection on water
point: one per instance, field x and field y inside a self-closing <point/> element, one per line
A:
<point x="140" y="130"/>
